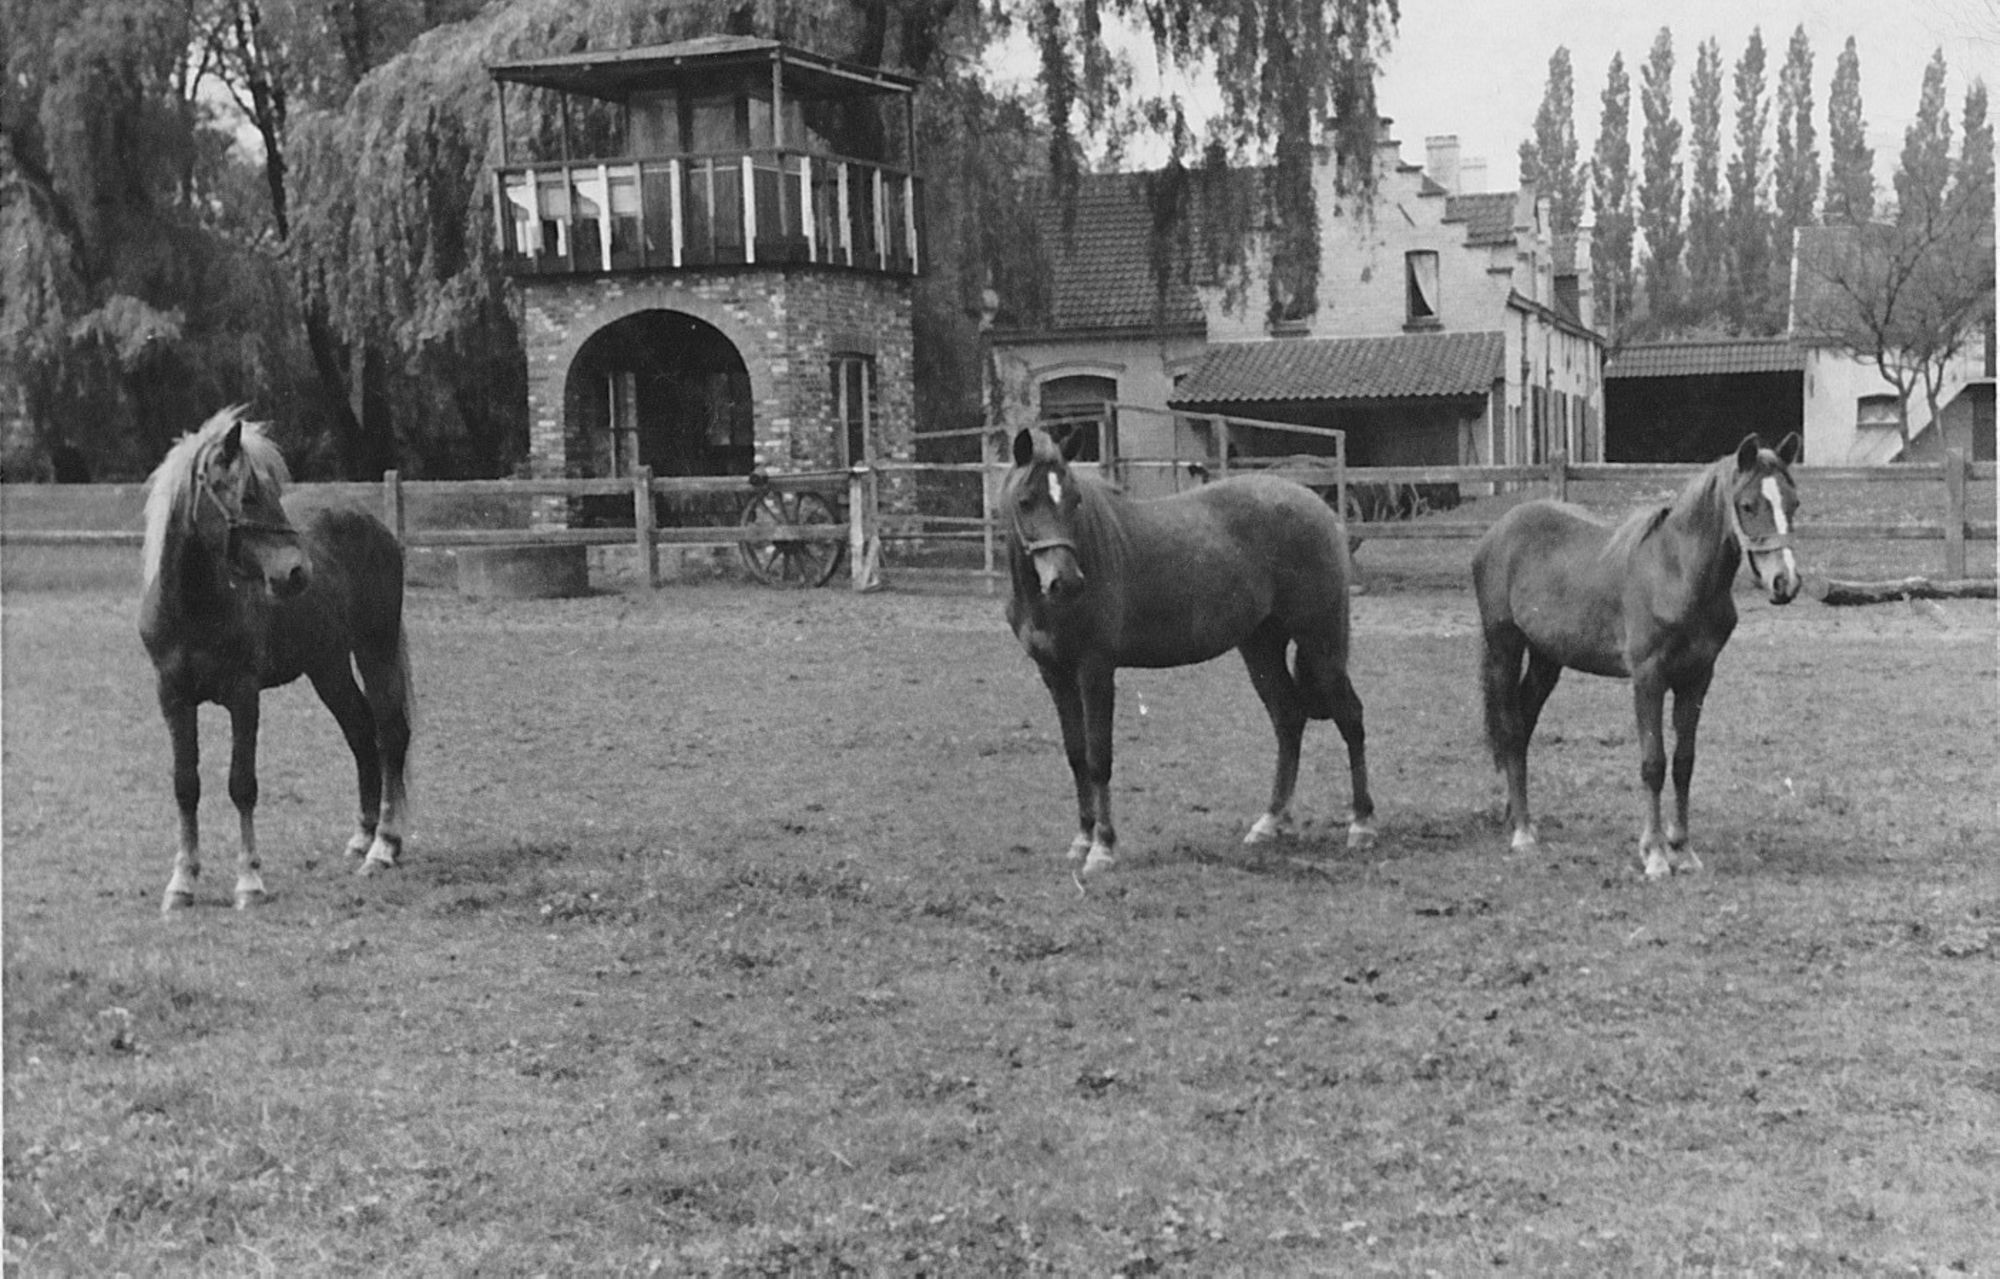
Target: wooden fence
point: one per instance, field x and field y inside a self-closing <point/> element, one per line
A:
<point x="866" y="524"/>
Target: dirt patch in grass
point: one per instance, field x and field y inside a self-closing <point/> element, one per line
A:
<point x="734" y="937"/>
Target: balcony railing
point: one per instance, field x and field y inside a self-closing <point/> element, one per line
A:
<point x="754" y="208"/>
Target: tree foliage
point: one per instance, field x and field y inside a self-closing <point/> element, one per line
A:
<point x="1285" y="68"/>
<point x="1611" y="193"/>
<point x="1925" y="169"/>
<point x="1660" y="185"/>
<point x="1548" y="159"/>
<point x="1850" y="176"/>
<point x="1749" y="223"/>
<point x="1795" y="161"/>
<point x="1707" y="244"/>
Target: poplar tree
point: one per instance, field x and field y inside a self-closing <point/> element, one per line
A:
<point x="1548" y="160"/>
<point x="1850" y="175"/>
<point x="1925" y="170"/>
<point x="1660" y="185"/>
<point x="1611" y="193"/>
<point x="1749" y="224"/>
<point x="1971" y="201"/>
<point x="1706" y="242"/>
<point x="1795" y="164"/>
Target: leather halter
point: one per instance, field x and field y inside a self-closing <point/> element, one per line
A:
<point x="235" y="524"/>
<point x="1768" y="545"/>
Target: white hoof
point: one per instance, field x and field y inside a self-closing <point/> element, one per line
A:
<point x="1101" y="858"/>
<point x="1360" y="835"/>
<point x="249" y="898"/>
<point x="1689" y="863"/>
<point x="1266" y="828"/>
<point x="382" y="855"/>
<point x="1079" y="848"/>
<point x="359" y="843"/>
<point x="1525" y="841"/>
<point x="177" y="899"/>
<point x="1657" y="866"/>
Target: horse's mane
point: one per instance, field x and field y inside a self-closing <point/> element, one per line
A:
<point x="1700" y="492"/>
<point x="170" y="488"/>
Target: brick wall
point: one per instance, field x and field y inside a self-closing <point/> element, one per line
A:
<point x="785" y="323"/>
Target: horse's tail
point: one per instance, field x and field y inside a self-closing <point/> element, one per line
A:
<point x="1499" y="668"/>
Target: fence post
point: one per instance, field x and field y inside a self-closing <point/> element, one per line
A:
<point x="1220" y="429"/>
<point x="643" y="524"/>
<point x="989" y="451"/>
<point x="1954" y="513"/>
<point x="392" y="502"/>
<point x="864" y="545"/>
<point x="1559" y="476"/>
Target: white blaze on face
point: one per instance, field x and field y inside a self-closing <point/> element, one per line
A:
<point x="1055" y="488"/>
<point x="1777" y="501"/>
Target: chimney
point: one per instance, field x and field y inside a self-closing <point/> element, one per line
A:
<point x="1472" y="175"/>
<point x="1441" y="160"/>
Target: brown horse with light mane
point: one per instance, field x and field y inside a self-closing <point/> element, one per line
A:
<point x="1254" y="563"/>
<point x="1649" y="601"/>
<point x="239" y="599"/>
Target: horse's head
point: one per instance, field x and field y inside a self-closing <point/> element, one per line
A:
<point x="1762" y="504"/>
<point x="236" y="487"/>
<point x="1041" y="499"/>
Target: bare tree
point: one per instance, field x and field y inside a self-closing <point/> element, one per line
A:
<point x="1911" y="300"/>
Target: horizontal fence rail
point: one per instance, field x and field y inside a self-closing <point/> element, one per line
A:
<point x="872" y="513"/>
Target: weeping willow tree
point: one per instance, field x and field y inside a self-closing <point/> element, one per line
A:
<point x="391" y="236"/>
<point x="1291" y="74"/>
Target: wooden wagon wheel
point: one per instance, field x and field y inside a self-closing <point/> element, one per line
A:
<point x="790" y="562"/>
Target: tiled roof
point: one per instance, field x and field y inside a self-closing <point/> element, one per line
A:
<point x="1101" y="264"/>
<point x="1411" y="366"/>
<point x="1488" y="216"/>
<point x="1706" y="357"/>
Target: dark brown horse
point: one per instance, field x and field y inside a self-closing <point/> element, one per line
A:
<point x="1648" y="600"/>
<point x="1254" y="563"/>
<point x="239" y="599"/>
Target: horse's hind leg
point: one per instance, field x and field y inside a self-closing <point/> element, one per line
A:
<point x="244" y="713"/>
<point x="1327" y="693"/>
<point x="1507" y="726"/>
<point x="1264" y="655"/>
<point x="183" y="728"/>
<point x="336" y="687"/>
<point x="386" y="677"/>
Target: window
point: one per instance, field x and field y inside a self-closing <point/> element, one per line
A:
<point x="1420" y="291"/>
<point x="1875" y="413"/>
<point x="1083" y="403"/>
<point x="854" y="405"/>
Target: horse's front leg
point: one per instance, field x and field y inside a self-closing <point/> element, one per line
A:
<point x="185" y="732"/>
<point x="243" y="714"/>
<point x="1688" y="699"/>
<point x="1095" y="681"/>
<point x="1063" y="690"/>
<point x="1649" y="695"/>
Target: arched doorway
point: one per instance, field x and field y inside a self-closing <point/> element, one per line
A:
<point x="661" y="389"/>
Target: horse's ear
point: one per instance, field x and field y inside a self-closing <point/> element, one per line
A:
<point x="1789" y="450"/>
<point x="1024" y="446"/>
<point x="1747" y="451"/>
<point x="232" y="444"/>
<point x="1072" y="444"/>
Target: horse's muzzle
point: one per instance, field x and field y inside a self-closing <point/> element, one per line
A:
<point x="1057" y="573"/>
<point x="1781" y="578"/>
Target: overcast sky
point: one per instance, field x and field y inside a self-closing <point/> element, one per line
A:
<point x="1477" y="68"/>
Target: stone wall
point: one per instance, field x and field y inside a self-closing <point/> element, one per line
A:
<point x="785" y="322"/>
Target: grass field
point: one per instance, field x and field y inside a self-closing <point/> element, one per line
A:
<point x="735" y="938"/>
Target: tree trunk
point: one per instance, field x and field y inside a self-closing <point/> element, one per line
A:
<point x="1829" y="591"/>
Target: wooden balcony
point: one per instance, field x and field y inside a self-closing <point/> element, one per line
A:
<point x="753" y="208"/>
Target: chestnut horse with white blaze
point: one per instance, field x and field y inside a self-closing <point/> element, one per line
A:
<point x="239" y="599"/>
<point x="1255" y="563"/>
<point x="1649" y="601"/>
